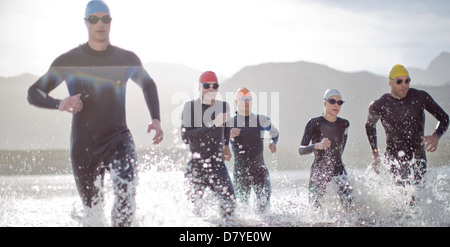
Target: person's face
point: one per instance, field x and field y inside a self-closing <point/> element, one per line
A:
<point x="208" y="91"/>
<point x="99" y="31"/>
<point x="244" y="103"/>
<point x="399" y="86"/>
<point x="333" y="109"/>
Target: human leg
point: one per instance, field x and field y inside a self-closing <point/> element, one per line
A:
<point x="344" y="189"/>
<point x="89" y="175"/>
<point x="242" y="185"/>
<point x="319" y="178"/>
<point x="223" y="188"/>
<point x="122" y="163"/>
<point x="263" y="191"/>
<point x="196" y="185"/>
<point x="409" y="170"/>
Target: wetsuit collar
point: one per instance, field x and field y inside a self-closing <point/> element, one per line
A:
<point x="249" y="115"/>
<point x="201" y="102"/>
<point x="408" y="94"/>
<point x="108" y="51"/>
<point x="329" y="122"/>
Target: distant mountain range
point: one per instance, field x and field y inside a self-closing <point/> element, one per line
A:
<point x="296" y="88"/>
<point x="437" y="73"/>
<point x="301" y="86"/>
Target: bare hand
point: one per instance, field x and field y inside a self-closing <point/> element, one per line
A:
<point x="324" y="144"/>
<point x="376" y="162"/>
<point x="156" y="125"/>
<point x="71" y="104"/>
<point x="220" y="119"/>
<point x="273" y="147"/>
<point x="227" y="153"/>
<point x="235" y="132"/>
<point x="431" y="142"/>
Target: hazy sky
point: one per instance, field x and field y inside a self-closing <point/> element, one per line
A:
<point x="225" y="36"/>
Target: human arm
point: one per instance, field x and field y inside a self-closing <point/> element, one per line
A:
<point x="190" y="128"/>
<point x="273" y="147"/>
<point x="159" y="135"/>
<point x="234" y="132"/>
<point x="347" y="125"/>
<point x="434" y="109"/>
<point x="371" y="132"/>
<point x="305" y="146"/>
<point x="267" y="125"/>
<point x="221" y="120"/>
<point x="71" y="104"/>
<point x="38" y="93"/>
<point x="274" y="134"/>
<point x="150" y="91"/>
<point x="431" y="142"/>
<point x="225" y="120"/>
<point x="227" y="153"/>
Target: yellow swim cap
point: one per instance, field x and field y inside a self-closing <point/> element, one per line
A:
<point x="398" y="70"/>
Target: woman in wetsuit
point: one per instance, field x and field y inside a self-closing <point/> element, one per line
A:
<point x="326" y="136"/>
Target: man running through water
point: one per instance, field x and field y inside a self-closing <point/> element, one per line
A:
<point x="204" y="129"/>
<point x="328" y="136"/>
<point x="402" y="115"/>
<point x="96" y="74"/>
<point x="247" y="139"/>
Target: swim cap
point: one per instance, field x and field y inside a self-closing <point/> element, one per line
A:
<point x="398" y="70"/>
<point x="331" y="92"/>
<point x="95" y="6"/>
<point x="242" y="92"/>
<point x="208" y="76"/>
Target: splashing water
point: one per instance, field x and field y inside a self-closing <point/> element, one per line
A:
<point x="52" y="200"/>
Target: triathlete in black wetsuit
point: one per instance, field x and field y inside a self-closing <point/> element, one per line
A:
<point x="204" y="129"/>
<point x="247" y="139"/>
<point x="328" y="135"/>
<point x="402" y="115"/>
<point x="100" y="138"/>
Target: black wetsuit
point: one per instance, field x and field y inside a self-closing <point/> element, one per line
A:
<point x="327" y="163"/>
<point x="404" y="122"/>
<point x="100" y="138"/>
<point x="249" y="167"/>
<point x="207" y="169"/>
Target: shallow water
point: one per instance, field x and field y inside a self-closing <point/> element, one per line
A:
<point x="52" y="200"/>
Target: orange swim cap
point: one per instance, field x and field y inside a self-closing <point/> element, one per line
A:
<point x="242" y="92"/>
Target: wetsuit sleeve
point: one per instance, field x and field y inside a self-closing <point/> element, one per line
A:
<point x="305" y="148"/>
<point x="347" y="124"/>
<point x="148" y="86"/>
<point x="189" y="132"/>
<point x="267" y="125"/>
<point x="227" y="129"/>
<point x="38" y="93"/>
<point x="434" y="109"/>
<point x="371" y="126"/>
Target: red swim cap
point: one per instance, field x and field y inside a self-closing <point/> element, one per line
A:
<point x="208" y="76"/>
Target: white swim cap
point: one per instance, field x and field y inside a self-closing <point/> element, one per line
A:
<point x="331" y="92"/>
